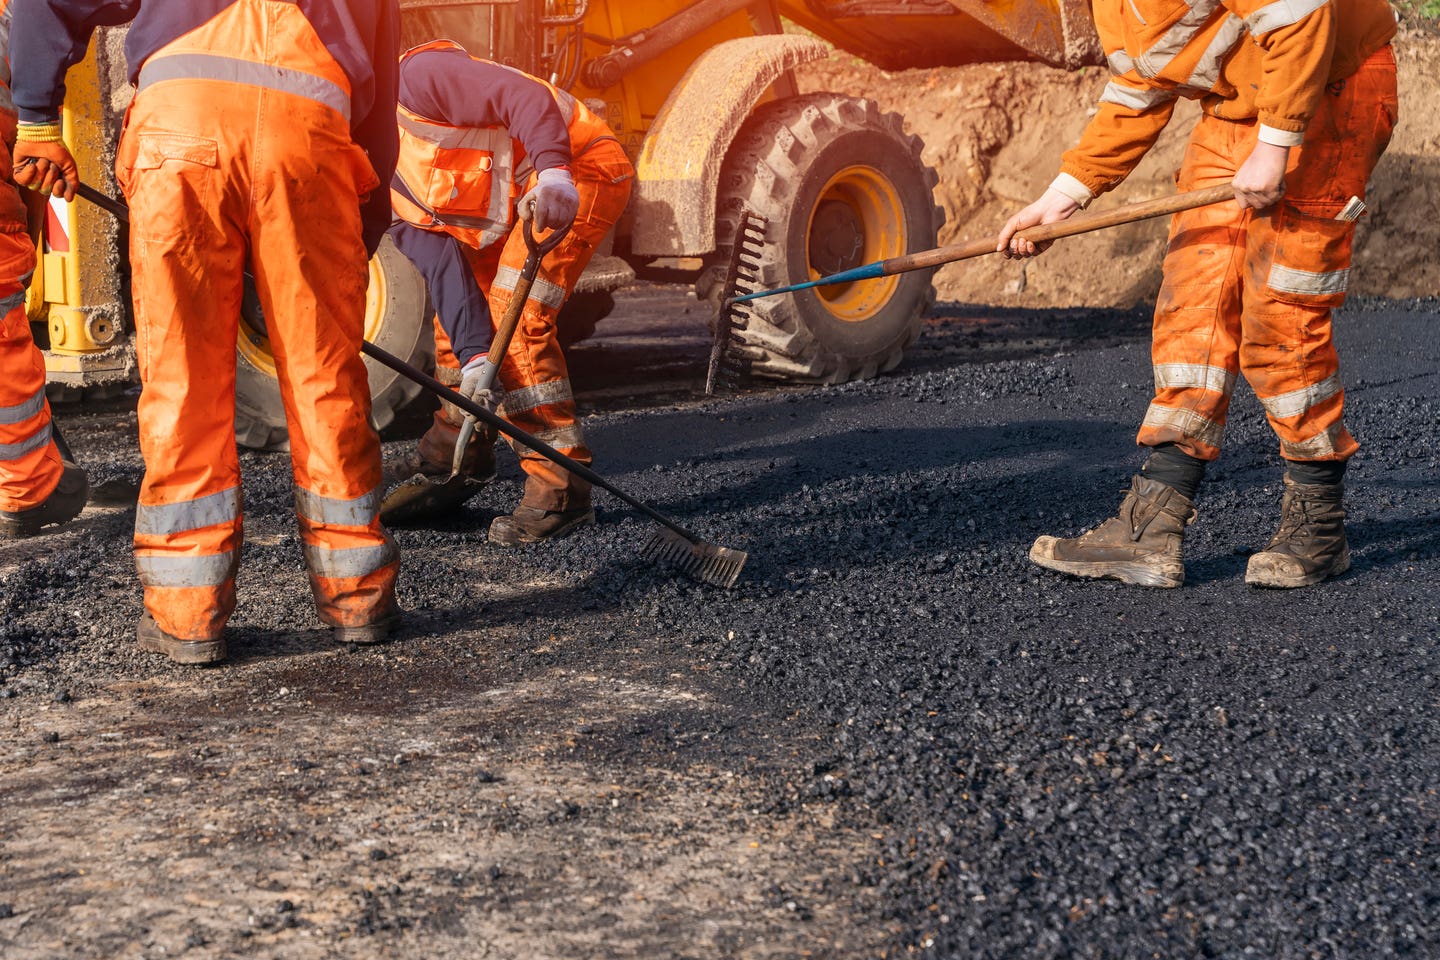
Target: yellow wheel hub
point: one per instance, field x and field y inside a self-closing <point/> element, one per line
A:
<point x="857" y="218"/>
<point x="254" y="342"/>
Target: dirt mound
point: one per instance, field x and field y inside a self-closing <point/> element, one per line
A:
<point x="995" y="133"/>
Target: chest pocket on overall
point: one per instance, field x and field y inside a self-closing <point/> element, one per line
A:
<point x="472" y="178"/>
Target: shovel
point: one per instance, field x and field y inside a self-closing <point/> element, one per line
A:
<point x="490" y="369"/>
<point x="743" y="273"/>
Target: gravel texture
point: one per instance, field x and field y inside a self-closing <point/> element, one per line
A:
<point x="1020" y="765"/>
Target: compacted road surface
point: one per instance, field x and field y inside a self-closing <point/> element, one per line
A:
<point x="894" y="738"/>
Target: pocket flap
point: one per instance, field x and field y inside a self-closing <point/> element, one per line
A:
<point x="154" y="148"/>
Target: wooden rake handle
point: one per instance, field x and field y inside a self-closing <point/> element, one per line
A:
<point x="1130" y="213"/>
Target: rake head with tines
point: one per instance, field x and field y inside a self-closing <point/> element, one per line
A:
<point x="695" y="558"/>
<point x="728" y="366"/>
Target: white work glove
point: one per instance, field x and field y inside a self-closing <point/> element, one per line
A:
<point x="470" y="379"/>
<point x="553" y="201"/>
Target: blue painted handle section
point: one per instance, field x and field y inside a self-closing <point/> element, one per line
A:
<point x="869" y="271"/>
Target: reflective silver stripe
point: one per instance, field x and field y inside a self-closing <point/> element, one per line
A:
<point x="1320" y="445"/>
<point x="356" y="512"/>
<point x="1290" y="280"/>
<point x="169" y="570"/>
<point x="21" y="412"/>
<point x="550" y="294"/>
<point x="528" y="398"/>
<point x="1296" y="402"/>
<point x="18" y="449"/>
<point x="14" y="300"/>
<point x="495" y="140"/>
<point x="1195" y="375"/>
<point x="349" y="561"/>
<point x="1133" y="98"/>
<point x="1281" y="13"/>
<point x="1153" y="61"/>
<point x="161" y="519"/>
<point x="563" y="438"/>
<point x="7" y="105"/>
<point x="1207" y="72"/>
<point x="1186" y="422"/>
<point x="210" y="66"/>
<point x="1120" y="62"/>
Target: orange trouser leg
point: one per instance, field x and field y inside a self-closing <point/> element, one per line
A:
<point x="188" y="256"/>
<point x="1196" y="340"/>
<point x="311" y="273"/>
<point x="1253" y="292"/>
<point x="1299" y="265"/>
<point x="538" y="395"/>
<point x="29" y="462"/>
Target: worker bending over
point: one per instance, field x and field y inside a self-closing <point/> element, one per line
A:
<point x="474" y="135"/>
<point x="247" y="140"/>
<point x="38" y="486"/>
<point x="1299" y="101"/>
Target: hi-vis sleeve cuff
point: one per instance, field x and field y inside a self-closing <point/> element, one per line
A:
<point x="1072" y="188"/>
<point x="1281" y="138"/>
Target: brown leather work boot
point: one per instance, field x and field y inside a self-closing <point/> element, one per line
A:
<point x="1141" y="545"/>
<point x="193" y="652"/>
<point x="63" y="505"/>
<point x="1310" y="545"/>
<point x="533" y="524"/>
<point x="419" y="483"/>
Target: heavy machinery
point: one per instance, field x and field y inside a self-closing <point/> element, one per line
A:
<point x="704" y="98"/>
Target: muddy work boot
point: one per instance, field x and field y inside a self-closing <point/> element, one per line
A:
<point x="63" y="505"/>
<point x="1140" y="545"/>
<point x="1310" y="545"/>
<point x="370" y="634"/>
<point x="419" y="485"/>
<point x="532" y="524"/>
<point x="191" y="652"/>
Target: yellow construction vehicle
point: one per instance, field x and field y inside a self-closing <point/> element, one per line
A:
<point x="703" y="96"/>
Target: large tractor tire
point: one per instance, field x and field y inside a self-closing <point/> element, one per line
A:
<point x="397" y="319"/>
<point x="841" y="184"/>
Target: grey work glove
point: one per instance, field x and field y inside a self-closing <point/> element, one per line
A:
<point x="553" y="201"/>
<point x="476" y="385"/>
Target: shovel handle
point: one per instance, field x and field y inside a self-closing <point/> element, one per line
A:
<point x="505" y="330"/>
<point x="1130" y="213"/>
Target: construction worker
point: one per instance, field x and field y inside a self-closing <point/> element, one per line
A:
<point x="1299" y="101"/>
<point x="474" y="135"/>
<point x="38" y="487"/>
<point x="247" y="139"/>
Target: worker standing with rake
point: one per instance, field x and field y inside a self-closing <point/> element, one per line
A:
<point x="1299" y="101"/>
<point x="258" y="129"/>
<point x="474" y="136"/>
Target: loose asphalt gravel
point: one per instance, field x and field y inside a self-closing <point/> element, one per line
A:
<point x="1055" y="768"/>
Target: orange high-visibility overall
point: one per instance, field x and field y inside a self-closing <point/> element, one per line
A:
<point x="238" y="144"/>
<point x="1247" y="291"/>
<point x="538" y="396"/>
<point x="1252" y="292"/>
<point x="29" y="461"/>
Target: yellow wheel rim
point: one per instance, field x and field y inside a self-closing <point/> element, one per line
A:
<point x="254" y="343"/>
<point x="857" y="218"/>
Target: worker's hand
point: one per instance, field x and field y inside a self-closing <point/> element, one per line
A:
<point x="553" y="201"/>
<point x="1260" y="181"/>
<point x="1052" y="206"/>
<point x="472" y="384"/>
<point x="47" y="167"/>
